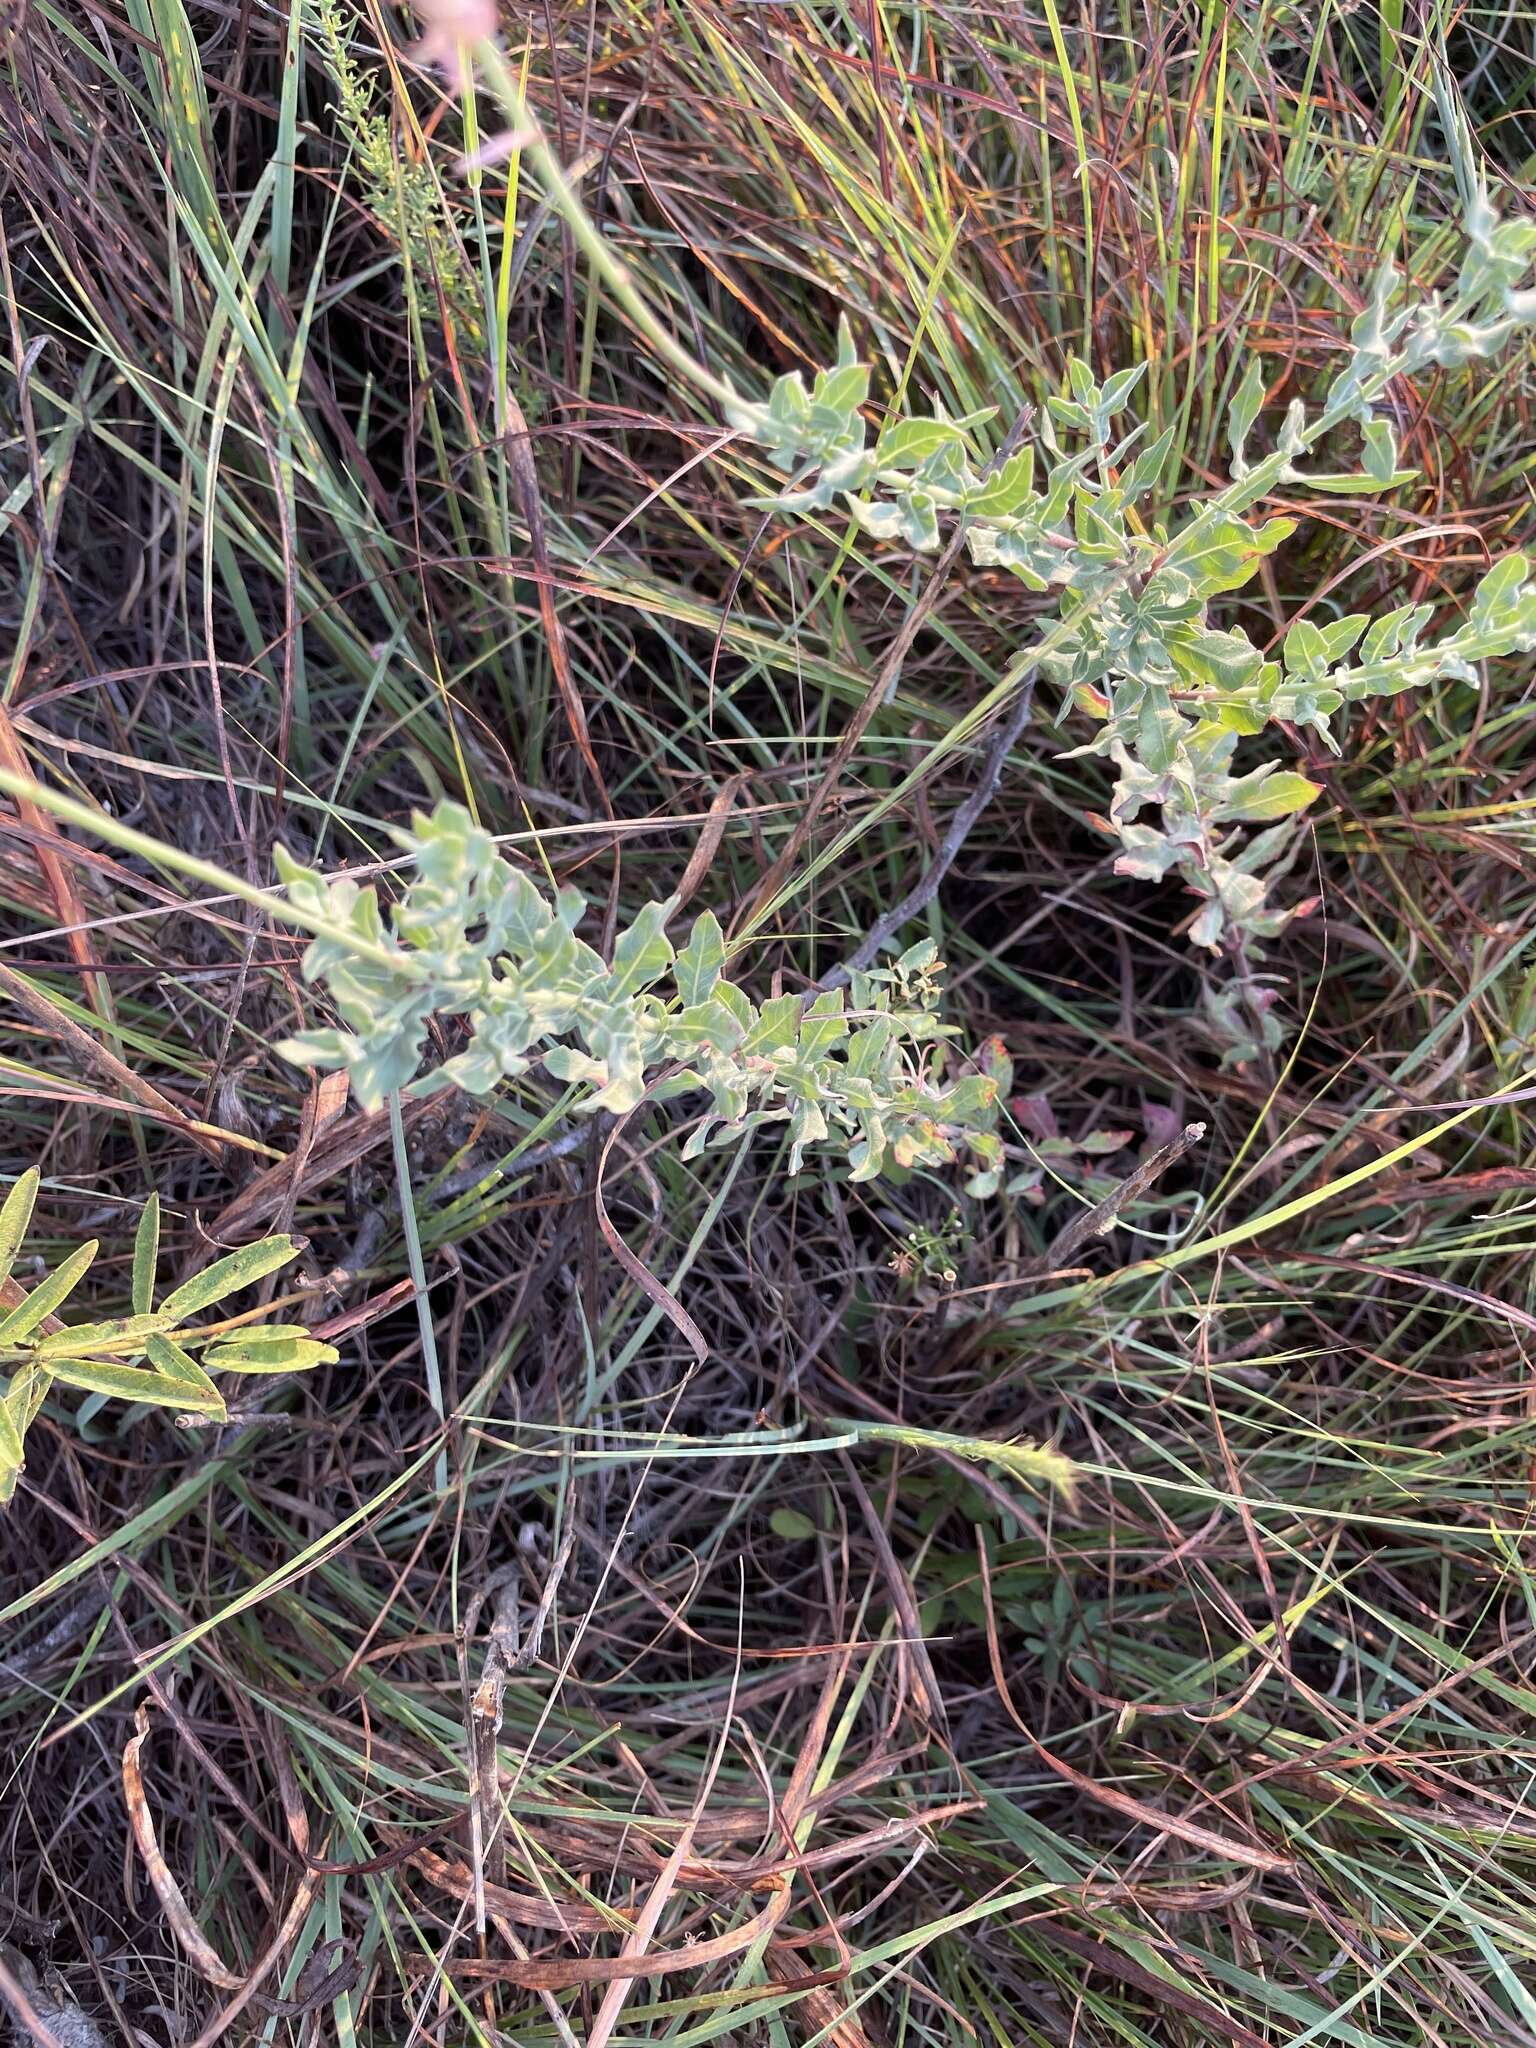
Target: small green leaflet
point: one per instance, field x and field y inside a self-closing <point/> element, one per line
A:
<point x="146" y="1252"/>
<point x="15" y="1215"/>
<point x="47" y="1295"/>
<point x="226" y="1276"/>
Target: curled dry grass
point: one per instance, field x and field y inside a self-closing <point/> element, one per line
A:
<point x="858" y="1742"/>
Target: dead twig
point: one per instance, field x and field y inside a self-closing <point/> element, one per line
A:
<point x="922" y="892"/>
<point x="1103" y="1216"/>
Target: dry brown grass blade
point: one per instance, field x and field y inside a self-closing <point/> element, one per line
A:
<point x="90" y="1053"/>
<point x="539" y="1975"/>
<point x="707" y="846"/>
<point x="525" y="1909"/>
<point x="199" y="1950"/>
<point x="337" y="1147"/>
<point x="1099" y="1955"/>
<point x="637" y="1270"/>
<point x="1135" y="1810"/>
<point x="1103" y="1216"/>
<point x="47" y="840"/>
<point x="196" y="1945"/>
<point x="890" y="670"/>
<point x="821" y="2013"/>
<point x="525" y="478"/>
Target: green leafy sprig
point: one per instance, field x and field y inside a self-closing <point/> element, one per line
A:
<point x="1133" y="643"/>
<point x="863" y="1070"/>
<point x="157" y="1355"/>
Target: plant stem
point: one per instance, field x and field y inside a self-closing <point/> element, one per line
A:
<point x="417" y="1268"/>
<point x="23" y="789"/>
<point x="498" y="76"/>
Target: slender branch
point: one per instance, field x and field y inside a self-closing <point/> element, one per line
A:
<point x="1103" y="1216"/>
<point x="497" y="74"/>
<point x="922" y="892"/>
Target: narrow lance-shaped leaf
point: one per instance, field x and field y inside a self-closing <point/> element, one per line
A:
<point x="178" y="1368"/>
<point x="47" y="1295"/>
<point x="270" y="1351"/>
<point x="146" y="1250"/>
<point x="229" y="1274"/>
<point x="1246" y="405"/>
<point x="10" y="1439"/>
<point x="133" y="1383"/>
<point x="15" y="1215"/>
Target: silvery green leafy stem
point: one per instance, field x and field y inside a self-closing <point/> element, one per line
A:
<point x="1133" y="644"/>
<point x="866" y="1069"/>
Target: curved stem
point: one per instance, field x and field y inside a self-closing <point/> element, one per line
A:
<point x="497" y="75"/>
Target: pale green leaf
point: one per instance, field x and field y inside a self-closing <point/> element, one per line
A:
<point x="698" y="967"/>
<point x="1351" y="484"/>
<point x="181" y="1369"/>
<point x="270" y="1351"/>
<point x="133" y="1383"/>
<point x="643" y="953"/>
<point x="146" y="1250"/>
<point x="47" y="1295"/>
<point x="123" y="1337"/>
<point x="1279" y="796"/>
<point x="15" y="1215"/>
<point x="1247" y="403"/>
<point x="225" y="1276"/>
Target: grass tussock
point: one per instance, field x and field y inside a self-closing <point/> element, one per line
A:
<point x="1007" y="1634"/>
